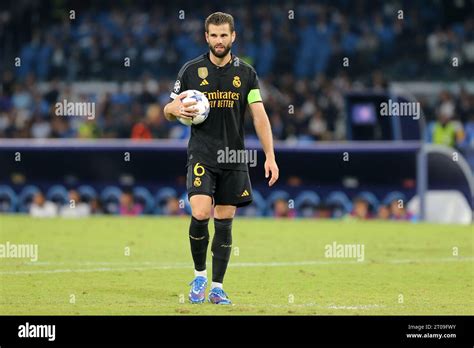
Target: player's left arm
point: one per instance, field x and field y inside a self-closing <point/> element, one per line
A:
<point x="264" y="133"/>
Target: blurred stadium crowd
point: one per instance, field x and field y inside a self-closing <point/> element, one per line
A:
<point x="85" y="201"/>
<point x="294" y="70"/>
<point x="299" y="62"/>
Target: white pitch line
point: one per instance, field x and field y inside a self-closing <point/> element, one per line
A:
<point x="158" y="266"/>
<point x="98" y="263"/>
<point x="303" y="305"/>
<point x="356" y="307"/>
<point x="240" y="264"/>
<point x="89" y="270"/>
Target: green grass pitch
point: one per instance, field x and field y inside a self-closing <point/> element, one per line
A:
<point x="277" y="267"/>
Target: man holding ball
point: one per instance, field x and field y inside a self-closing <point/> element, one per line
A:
<point x="230" y="85"/>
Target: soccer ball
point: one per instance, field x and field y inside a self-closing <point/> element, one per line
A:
<point x="202" y="107"/>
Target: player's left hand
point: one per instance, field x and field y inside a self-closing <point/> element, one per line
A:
<point x="271" y="167"/>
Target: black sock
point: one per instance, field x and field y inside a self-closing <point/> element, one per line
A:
<point x="199" y="239"/>
<point x="221" y="248"/>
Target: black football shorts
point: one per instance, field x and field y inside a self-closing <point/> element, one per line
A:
<point x="226" y="187"/>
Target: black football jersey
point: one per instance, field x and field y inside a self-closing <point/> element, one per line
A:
<point x="229" y="89"/>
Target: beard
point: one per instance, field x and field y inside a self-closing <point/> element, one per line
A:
<point x="223" y="53"/>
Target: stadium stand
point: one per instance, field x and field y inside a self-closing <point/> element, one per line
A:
<point x="83" y="60"/>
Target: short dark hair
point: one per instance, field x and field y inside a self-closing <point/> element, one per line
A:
<point x="219" y="18"/>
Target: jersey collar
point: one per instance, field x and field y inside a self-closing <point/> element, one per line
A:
<point x="233" y="58"/>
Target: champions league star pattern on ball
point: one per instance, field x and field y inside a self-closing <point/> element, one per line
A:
<point x="202" y="107"/>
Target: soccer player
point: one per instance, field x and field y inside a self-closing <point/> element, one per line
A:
<point x="231" y="85"/>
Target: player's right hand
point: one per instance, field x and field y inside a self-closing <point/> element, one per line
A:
<point x="184" y="110"/>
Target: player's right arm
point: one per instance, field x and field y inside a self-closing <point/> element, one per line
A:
<point x="177" y="108"/>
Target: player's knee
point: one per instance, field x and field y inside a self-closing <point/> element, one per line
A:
<point x="225" y="215"/>
<point x="200" y="214"/>
<point x="224" y="212"/>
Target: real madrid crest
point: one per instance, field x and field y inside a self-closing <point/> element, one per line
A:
<point x="236" y="82"/>
<point x="197" y="182"/>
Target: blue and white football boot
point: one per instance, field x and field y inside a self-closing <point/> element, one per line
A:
<point x="218" y="296"/>
<point x="198" y="288"/>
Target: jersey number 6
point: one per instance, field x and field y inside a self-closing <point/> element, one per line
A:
<point x="199" y="170"/>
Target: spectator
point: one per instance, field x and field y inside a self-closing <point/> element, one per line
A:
<point x="128" y="205"/>
<point x="75" y="208"/>
<point x="96" y="207"/>
<point x="42" y="208"/>
<point x="152" y="127"/>
<point x="172" y="207"/>
<point x="41" y="128"/>
<point x="383" y="212"/>
<point x="318" y="126"/>
<point x="469" y="140"/>
<point x="282" y="210"/>
<point x="446" y="131"/>
<point x="398" y="211"/>
<point x="324" y="211"/>
<point x="360" y="209"/>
